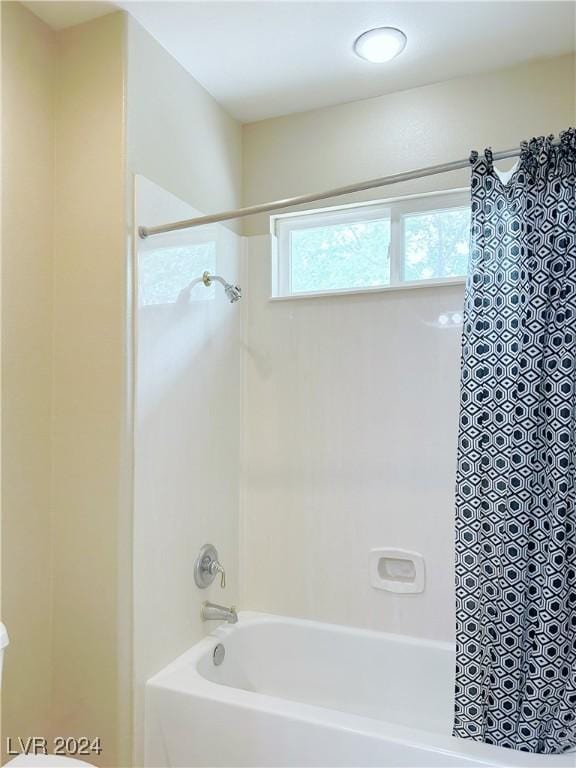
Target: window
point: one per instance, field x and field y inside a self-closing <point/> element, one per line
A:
<point x="404" y="242"/>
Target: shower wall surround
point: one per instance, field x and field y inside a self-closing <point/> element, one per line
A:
<point x="187" y="378"/>
<point x="187" y="419"/>
<point x="350" y="424"/>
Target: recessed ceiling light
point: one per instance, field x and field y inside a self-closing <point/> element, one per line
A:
<point x="380" y="44"/>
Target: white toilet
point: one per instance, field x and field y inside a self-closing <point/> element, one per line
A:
<point x="33" y="761"/>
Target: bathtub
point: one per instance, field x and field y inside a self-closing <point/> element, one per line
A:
<point x="301" y="693"/>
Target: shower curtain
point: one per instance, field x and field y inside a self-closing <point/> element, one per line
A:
<point x="515" y="498"/>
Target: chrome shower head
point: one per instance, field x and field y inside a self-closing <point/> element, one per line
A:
<point x="233" y="292"/>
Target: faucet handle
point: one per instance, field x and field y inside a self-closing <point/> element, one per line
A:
<point x="217" y="567"/>
<point x="207" y="566"/>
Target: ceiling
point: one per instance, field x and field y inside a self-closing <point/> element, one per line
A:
<point x="268" y="58"/>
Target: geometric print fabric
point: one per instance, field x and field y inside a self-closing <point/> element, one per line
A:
<point x="516" y="474"/>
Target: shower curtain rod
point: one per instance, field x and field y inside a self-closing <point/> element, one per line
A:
<point x="290" y="202"/>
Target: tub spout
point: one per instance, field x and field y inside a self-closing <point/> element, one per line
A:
<point x="213" y="612"/>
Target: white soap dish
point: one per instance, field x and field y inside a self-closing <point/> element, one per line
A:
<point x="397" y="570"/>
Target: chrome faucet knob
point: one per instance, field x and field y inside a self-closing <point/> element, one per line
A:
<point x="207" y="566"/>
<point x="217" y="567"/>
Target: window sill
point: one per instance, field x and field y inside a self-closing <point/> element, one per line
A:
<point x="407" y="286"/>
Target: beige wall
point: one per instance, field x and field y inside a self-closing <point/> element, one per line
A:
<point x="350" y="403"/>
<point x="28" y="78"/>
<point x="324" y="148"/>
<point x="90" y="362"/>
<point x="1" y="262"/>
<point x="179" y="136"/>
<point x="66" y="493"/>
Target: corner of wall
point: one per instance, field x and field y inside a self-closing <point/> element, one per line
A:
<point x="90" y="375"/>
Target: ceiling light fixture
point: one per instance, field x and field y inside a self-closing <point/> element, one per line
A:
<point x="380" y="44"/>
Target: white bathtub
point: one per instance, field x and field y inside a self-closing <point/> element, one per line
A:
<point x="301" y="693"/>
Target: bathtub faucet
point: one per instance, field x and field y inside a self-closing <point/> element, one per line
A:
<point x="213" y="612"/>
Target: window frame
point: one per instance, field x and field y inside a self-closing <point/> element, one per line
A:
<point x="397" y="208"/>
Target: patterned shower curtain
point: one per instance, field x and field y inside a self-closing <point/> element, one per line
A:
<point x="516" y="484"/>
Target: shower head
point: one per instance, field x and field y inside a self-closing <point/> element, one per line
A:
<point x="233" y="292"/>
